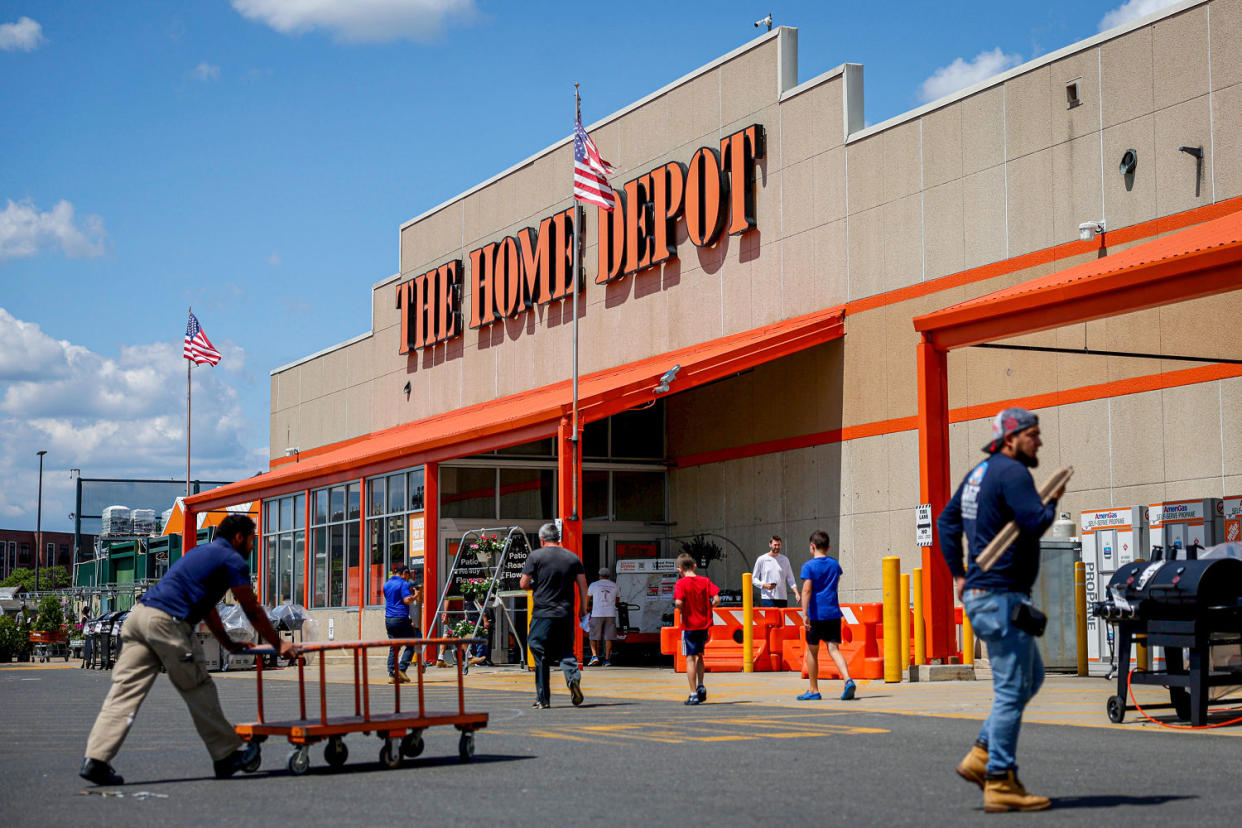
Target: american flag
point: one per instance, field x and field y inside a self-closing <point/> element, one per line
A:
<point x="590" y="185"/>
<point x="198" y="347"/>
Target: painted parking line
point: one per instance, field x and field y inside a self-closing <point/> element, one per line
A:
<point x="710" y="729"/>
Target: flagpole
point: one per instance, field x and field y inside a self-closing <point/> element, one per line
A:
<point x="187" y="420"/>
<point x="577" y="284"/>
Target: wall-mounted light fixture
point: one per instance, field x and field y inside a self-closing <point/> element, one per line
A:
<point x="293" y="451"/>
<point x="1197" y="154"/>
<point x="1129" y="162"/>
<point x="406" y="389"/>
<point x="1088" y="230"/>
<point x="669" y="376"/>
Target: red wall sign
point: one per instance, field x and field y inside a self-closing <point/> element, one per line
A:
<point x="715" y="191"/>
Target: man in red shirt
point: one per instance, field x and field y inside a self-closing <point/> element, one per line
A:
<point x="694" y="595"/>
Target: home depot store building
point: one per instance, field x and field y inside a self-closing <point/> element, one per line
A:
<point x="818" y="282"/>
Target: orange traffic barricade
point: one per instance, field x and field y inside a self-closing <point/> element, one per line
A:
<point x="400" y="731"/>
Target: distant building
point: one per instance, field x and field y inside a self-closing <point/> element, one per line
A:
<point x="17" y="549"/>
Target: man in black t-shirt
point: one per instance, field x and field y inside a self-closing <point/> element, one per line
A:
<point x="552" y="571"/>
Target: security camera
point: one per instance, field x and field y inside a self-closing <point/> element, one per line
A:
<point x="767" y="21"/>
<point x="1088" y="230"/>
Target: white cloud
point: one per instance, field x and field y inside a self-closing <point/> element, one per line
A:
<point x="24" y="231"/>
<point x="961" y="73"/>
<point x="121" y="417"/>
<point x="25" y="35"/>
<point x="360" y="21"/>
<point x="205" y="72"/>
<point x="1131" y="10"/>
<point x="274" y="259"/>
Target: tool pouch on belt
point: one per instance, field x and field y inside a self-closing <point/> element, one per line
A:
<point x="1026" y="617"/>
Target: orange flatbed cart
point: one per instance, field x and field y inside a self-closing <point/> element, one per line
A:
<point x="400" y="731"/>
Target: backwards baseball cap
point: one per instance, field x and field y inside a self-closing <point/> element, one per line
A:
<point x="1009" y="421"/>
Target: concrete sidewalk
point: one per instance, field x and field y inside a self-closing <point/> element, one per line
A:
<point x="1064" y="700"/>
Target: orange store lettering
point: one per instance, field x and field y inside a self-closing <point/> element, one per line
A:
<point x="715" y="191"/>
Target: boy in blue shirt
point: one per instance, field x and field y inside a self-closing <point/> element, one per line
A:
<point x="821" y="611"/>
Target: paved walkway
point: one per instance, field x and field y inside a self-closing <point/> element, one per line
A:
<point x="1064" y="700"/>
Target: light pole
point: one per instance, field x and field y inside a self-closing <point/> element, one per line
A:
<point x="39" y="522"/>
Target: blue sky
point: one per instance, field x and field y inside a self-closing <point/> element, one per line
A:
<point x="255" y="158"/>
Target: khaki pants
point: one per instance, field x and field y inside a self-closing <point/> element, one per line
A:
<point x="152" y="638"/>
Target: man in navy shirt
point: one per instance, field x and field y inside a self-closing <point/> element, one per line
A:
<point x="157" y="634"/>
<point x="398" y="596"/>
<point x="996" y="491"/>
<point x="821" y="614"/>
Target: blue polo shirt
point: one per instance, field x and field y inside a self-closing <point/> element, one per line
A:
<point x="198" y="580"/>
<point x="396" y="589"/>
<point x="825" y="576"/>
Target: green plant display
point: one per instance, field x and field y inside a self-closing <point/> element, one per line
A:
<point x="50" y="616"/>
<point x="702" y="550"/>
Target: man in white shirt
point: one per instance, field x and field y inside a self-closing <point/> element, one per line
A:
<point x="772" y="574"/>
<point x="602" y="602"/>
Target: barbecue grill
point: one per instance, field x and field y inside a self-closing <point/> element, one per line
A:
<point x="1179" y="605"/>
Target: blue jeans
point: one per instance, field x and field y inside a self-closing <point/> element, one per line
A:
<point x="400" y="628"/>
<point x="552" y="639"/>
<point x="1017" y="672"/>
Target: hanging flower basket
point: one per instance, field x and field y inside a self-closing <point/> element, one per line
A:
<point x="486" y="549"/>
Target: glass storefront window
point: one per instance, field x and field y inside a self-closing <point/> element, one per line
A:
<point x="284" y="546"/>
<point x="395" y="500"/>
<point x="377" y="495"/>
<point x="335" y="550"/>
<point x="638" y="495"/>
<point x="526" y="493"/>
<point x="595" y="495"/>
<point x="639" y="434"/>
<point x="468" y="493"/>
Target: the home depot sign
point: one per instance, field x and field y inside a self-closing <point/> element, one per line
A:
<point x="715" y="191"/>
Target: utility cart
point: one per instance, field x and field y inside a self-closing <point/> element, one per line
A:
<point x="400" y="731"/>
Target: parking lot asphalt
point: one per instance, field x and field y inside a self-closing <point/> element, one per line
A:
<point x="632" y="753"/>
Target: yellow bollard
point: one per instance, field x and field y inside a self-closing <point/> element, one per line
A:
<point x="530" y="610"/>
<point x="748" y="624"/>
<point x="920" y="631"/>
<point x="1080" y="615"/>
<point x="891" y="582"/>
<point x="968" y="641"/>
<point x="905" y="621"/>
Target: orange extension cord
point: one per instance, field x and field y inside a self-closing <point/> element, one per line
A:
<point x="1138" y="707"/>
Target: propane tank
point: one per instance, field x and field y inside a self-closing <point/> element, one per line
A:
<point x="1064" y="527"/>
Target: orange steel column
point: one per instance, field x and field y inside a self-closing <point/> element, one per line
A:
<point x="569" y="467"/>
<point x="431" y="548"/>
<point x="189" y="529"/>
<point x="933" y="422"/>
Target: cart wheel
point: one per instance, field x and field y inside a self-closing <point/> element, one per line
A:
<point x="299" y="761"/>
<point x="390" y="754"/>
<point x="253" y="764"/>
<point x="412" y="744"/>
<point x="1181" y="702"/>
<point x="465" y="746"/>
<point x="336" y="752"/>
<point x="1116" y="709"/>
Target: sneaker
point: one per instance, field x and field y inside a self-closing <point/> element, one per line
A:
<point x="702" y="691"/>
<point x="101" y="773"/>
<point x="848" y="692"/>
<point x="607" y="662"/>
<point x="694" y="699"/>
<point x="809" y="696"/>
<point x="594" y="662"/>
<point x="539" y="706"/>
<point x="236" y="760"/>
<point x="575" y="692"/>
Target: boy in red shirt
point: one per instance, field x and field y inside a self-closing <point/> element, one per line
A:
<point x="694" y="595"/>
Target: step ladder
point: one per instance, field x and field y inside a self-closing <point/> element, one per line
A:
<point x="503" y="572"/>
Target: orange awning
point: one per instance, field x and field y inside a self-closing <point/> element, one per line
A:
<point x="529" y="415"/>
<point x="205" y="520"/>
<point x="1199" y="261"/>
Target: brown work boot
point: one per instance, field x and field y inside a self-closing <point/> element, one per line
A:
<point x="1005" y="793"/>
<point x="974" y="767"/>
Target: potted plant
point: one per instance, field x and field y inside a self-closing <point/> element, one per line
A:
<point x="475" y="589"/>
<point x="702" y="550"/>
<point x="49" y="621"/>
<point x="462" y="629"/>
<point x="486" y="549"/>
<point x="11" y="639"/>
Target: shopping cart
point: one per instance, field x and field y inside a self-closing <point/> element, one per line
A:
<point x="401" y="732"/>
